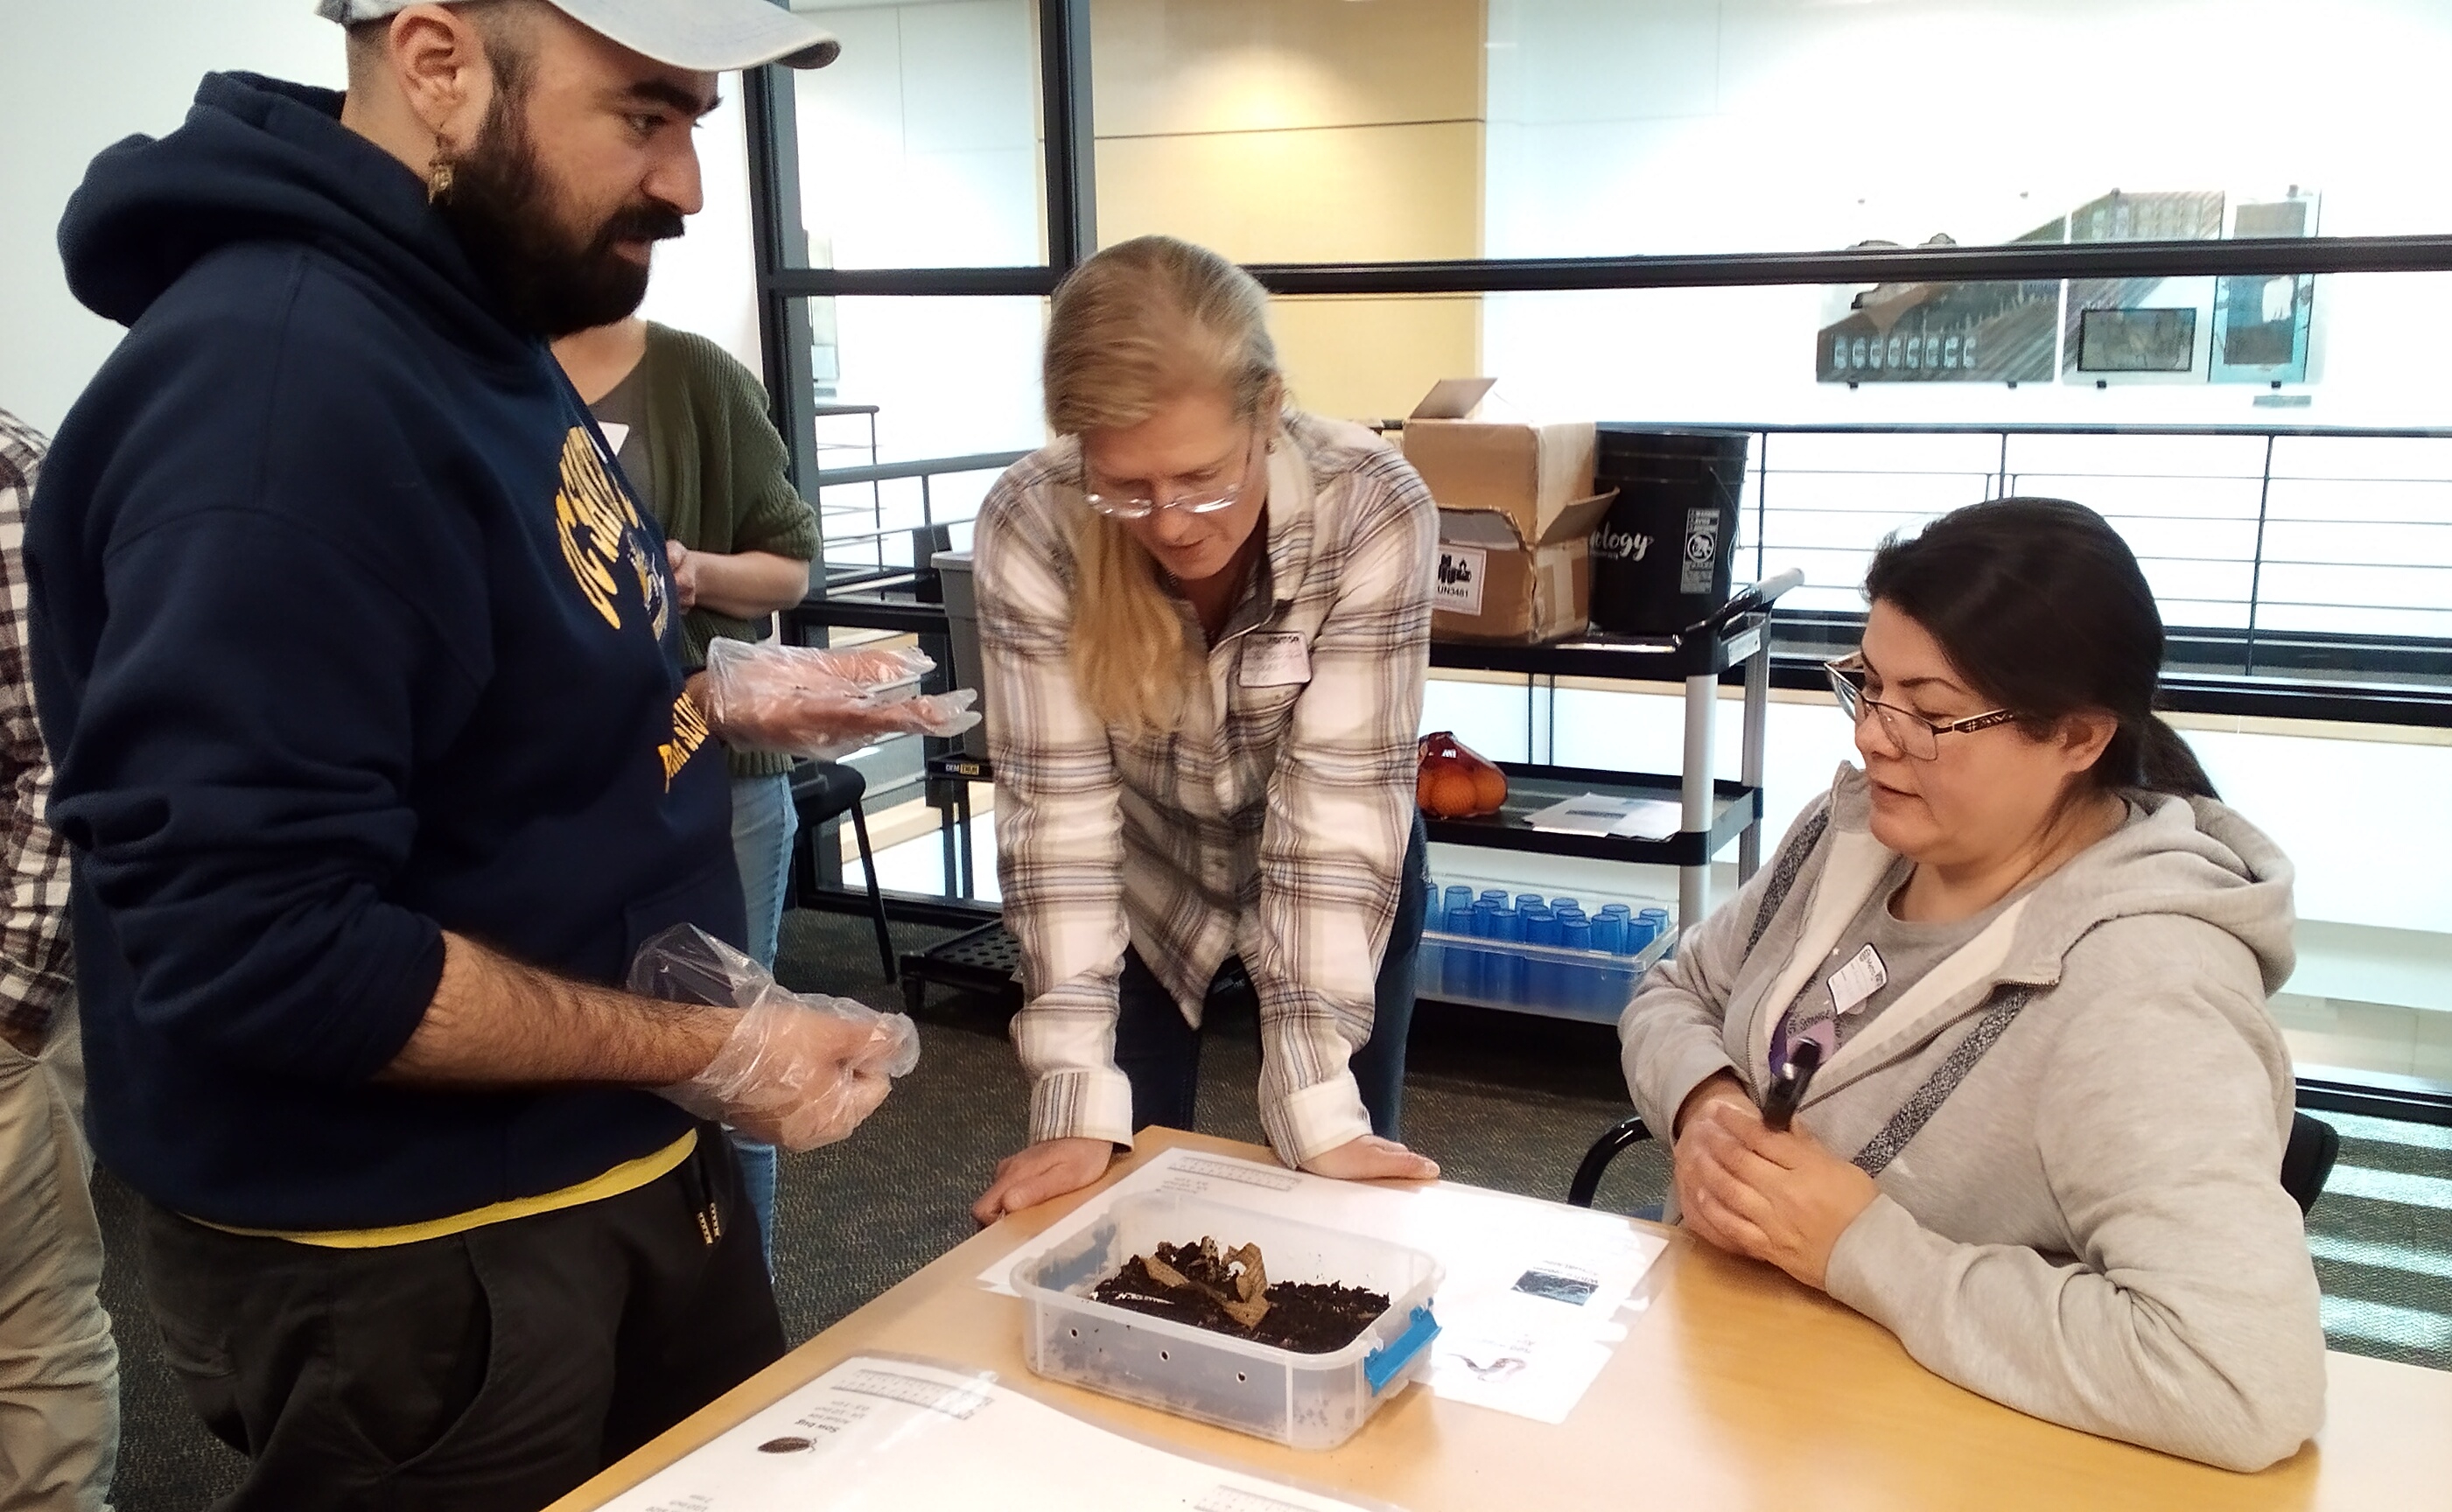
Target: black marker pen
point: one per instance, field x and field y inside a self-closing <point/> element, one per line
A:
<point x="1787" y="1088"/>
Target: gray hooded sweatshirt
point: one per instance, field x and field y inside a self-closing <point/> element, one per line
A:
<point x="2091" y="1227"/>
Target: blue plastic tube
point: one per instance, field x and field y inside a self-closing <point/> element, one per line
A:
<point x="1459" y="966"/>
<point x="1478" y="969"/>
<point x="1541" y="980"/>
<point x="1585" y="987"/>
<point x="1658" y="919"/>
<point x="1608" y="932"/>
<point x="1505" y="978"/>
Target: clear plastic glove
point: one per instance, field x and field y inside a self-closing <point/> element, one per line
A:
<point x="810" y="702"/>
<point x="799" y="1070"/>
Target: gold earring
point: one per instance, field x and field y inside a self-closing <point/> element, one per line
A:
<point x="438" y="180"/>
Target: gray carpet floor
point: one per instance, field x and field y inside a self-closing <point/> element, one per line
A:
<point x="1500" y="1100"/>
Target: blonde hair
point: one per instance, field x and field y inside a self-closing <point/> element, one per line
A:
<point x="1137" y="326"/>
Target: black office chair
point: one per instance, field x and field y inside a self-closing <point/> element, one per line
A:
<point x="1597" y="1160"/>
<point x="824" y="790"/>
<point x="2307" y="1159"/>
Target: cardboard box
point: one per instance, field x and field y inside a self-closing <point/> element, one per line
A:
<point x="1525" y="470"/>
<point x="1516" y="512"/>
<point x="1494" y="586"/>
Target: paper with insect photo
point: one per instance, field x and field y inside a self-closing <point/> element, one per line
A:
<point x="879" y="1432"/>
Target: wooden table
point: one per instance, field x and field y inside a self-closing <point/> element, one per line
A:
<point x="1735" y="1388"/>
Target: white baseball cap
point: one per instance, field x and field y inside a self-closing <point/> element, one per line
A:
<point x="705" y="36"/>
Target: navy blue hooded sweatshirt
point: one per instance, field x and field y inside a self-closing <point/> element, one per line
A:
<point x="345" y="634"/>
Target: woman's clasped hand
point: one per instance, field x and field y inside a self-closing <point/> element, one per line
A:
<point x="1778" y="1196"/>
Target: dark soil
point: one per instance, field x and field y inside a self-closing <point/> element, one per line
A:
<point x="1302" y="1317"/>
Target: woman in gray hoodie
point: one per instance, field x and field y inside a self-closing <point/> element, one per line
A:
<point x="2044" y="1145"/>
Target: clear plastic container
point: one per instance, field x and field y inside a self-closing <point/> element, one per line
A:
<point x="1303" y="1400"/>
<point x="1517" y="954"/>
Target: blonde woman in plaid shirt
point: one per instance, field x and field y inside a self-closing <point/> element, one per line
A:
<point x="1206" y="623"/>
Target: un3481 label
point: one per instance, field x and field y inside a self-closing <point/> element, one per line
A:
<point x="1461" y="572"/>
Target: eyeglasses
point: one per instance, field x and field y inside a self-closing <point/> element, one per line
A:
<point x="1119" y="505"/>
<point x="1910" y="731"/>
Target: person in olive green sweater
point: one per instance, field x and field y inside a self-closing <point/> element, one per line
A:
<point x="689" y="427"/>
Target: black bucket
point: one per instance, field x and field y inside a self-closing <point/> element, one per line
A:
<point x="1662" y="556"/>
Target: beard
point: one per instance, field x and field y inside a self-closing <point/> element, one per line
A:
<point x="549" y="280"/>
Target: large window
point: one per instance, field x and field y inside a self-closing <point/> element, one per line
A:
<point x="2210" y="232"/>
<point x="919" y="145"/>
<point x="1792" y="126"/>
<point x="2190" y="264"/>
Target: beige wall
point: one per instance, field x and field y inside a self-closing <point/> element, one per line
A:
<point x="1370" y="359"/>
<point x="1306" y="130"/>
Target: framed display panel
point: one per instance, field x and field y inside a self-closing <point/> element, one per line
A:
<point x="2152" y="339"/>
<point x="2122" y="331"/>
<point x="2261" y="324"/>
<point x="2261" y="328"/>
<point x="1943" y="333"/>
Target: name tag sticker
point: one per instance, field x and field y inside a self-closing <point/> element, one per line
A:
<point x="1279" y="661"/>
<point x="615" y="433"/>
<point x="1859" y="979"/>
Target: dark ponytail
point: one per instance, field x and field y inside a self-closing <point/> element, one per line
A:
<point x="2040" y="606"/>
<point x="2166" y="764"/>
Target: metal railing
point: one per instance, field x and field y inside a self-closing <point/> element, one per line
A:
<point x="2314" y="554"/>
<point x="838" y="567"/>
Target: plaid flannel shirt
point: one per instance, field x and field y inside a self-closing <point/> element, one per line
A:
<point x="36" y="980"/>
<point x="1272" y="825"/>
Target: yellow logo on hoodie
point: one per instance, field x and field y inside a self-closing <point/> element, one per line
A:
<point x="601" y="532"/>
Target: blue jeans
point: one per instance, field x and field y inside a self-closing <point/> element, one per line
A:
<point x="764" y="823"/>
<point x="1159" y="1054"/>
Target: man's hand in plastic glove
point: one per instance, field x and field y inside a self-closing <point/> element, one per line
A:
<point x="798" y="1076"/>
<point x="810" y="702"/>
<point x="797" y="1070"/>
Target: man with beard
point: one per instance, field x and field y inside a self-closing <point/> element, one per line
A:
<point x="374" y="757"/>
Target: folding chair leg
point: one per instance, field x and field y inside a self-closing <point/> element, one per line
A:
<point x="876" y="897"/>
<point x="802" y="874"/>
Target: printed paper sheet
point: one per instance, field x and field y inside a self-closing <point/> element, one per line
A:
<point x="875" y="1434"/>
